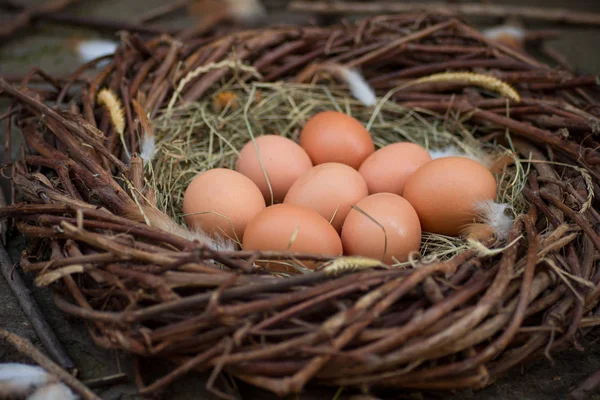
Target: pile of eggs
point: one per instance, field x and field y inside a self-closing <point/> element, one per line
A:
<point x="333" y="194"/>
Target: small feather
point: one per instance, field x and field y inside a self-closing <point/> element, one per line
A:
<point x="162" y="221"/>
<point x="452" y="151"/>
<point x="148" y="141"/>
<point x="495" y="163"/>
<point x="148" y="147"/>
<point x="248" y="11"/>
<point x="359" y="86"/>
<point x="509" y="35"/>
<point x="494" y="32"/>
<point x="18" y="380"/>
<point x="53" y="391"/>
<point x="496" y="216"/>
<point x="89" y="50"/>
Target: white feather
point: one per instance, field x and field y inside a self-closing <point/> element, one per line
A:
<point x="504" y="30"/>
<point x="91" y="49"/>
<point x="496" y="215"/>
<point x="216" y="242"/>
<point x="148" y="147"/>
<point x="220" y="243"/>
<point x="18" y="380"/>
<point x="53" y="391"/>
<point x="162" y="221"/>
<point x="359" y="86"/>
<point x="452" y="151"/>
<point x="248" y="11"/>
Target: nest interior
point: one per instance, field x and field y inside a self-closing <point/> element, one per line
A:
<point x="443" y="323"/>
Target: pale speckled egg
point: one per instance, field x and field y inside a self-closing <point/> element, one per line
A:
<point x="283" y="161"/>
<point x="387" y="170"/>
<point x="329" y="189"/>
<point x="383" y="226"/>
<point x="221" y="202"/>
<point x="331" y="136"/>
<point x="289" y="227"/>
<point x="445" y="193"/>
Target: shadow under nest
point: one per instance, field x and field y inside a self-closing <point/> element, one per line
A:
<point x="452" y="323"/>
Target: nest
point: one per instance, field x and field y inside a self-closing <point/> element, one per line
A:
<point x="457" y="319"/>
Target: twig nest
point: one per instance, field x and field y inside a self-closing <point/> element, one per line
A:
<point x="387" y="170"/>
<point x="329" y="189"/>
<point x="222" y="202"/>
<point x="383" y="226"/>
<point x="446" y="193"/>
<point x="273" y="163"/>
<point x="289" y="227"/>
<point x="331" y="136"/>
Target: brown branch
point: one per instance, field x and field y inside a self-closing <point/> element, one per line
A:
<point x="162" y="10"/>
<point x="3" y="223"/>
<point x="556" y="15"/>
<point x="110" y="25"/>
<point x="47" y="111"/>
<point x="586" y="388"/>
<point x="26" y="16"/>
<point x="578" y="218"/>
<point x="25" y="347"/>
<point x="193" y="363"/>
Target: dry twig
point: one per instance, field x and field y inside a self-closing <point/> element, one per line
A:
<point x="472" y="9"/>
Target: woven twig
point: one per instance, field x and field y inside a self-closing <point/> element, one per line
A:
<point x="435" y="325"/>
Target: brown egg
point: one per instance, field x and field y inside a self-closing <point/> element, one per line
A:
<point x="387" y="170"/>
<point x="221" y="201"/>
<point x="289" y="227"/>
<point x="283" y="160"/>
<point x="332" y="136"/>
<point x="445" y="193"/>
<point x="362" y="235"/>
<point x="329" y="189"/>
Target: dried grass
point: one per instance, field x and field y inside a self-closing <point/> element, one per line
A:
<point x="199" y="136"/>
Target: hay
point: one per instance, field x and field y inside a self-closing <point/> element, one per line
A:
<point x="198" y="136"/>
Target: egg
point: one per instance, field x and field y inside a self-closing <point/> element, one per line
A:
<point x="445" y="193"/>
<point x="383" y="226"/>
<point x="289" y="227"/>
<point x="332" y="136"/>
<point x="283" y="161"/>
<point x="387" y="170"/>
<point x="221" y="202"/>
<point x="329" y="189"/>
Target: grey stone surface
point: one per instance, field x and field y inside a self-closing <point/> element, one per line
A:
<point x="47" y="46"/>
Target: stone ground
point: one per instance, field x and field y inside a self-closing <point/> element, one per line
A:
<point x="46" y="46"/>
